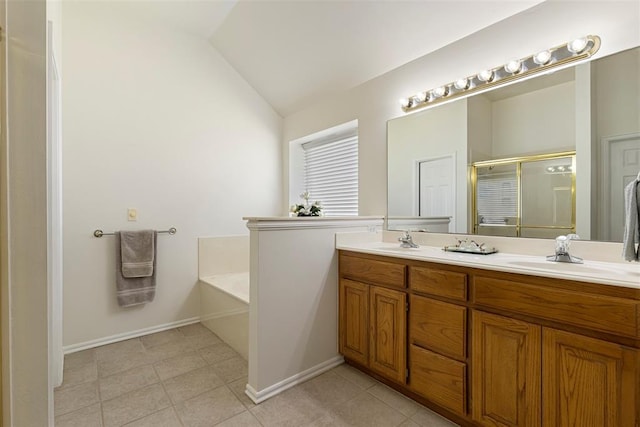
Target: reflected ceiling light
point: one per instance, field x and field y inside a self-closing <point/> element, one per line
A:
<point x="513" y="66"/>
<point x="559" y="169"/>
<point x="542" y="62"/>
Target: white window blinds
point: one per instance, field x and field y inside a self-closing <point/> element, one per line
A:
<point x="497" y="199"/>
<point x="331" y="175"/>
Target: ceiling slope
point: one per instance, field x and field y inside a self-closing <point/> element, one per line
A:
<point x="293" y="52"/>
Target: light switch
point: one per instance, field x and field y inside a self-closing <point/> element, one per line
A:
<point x="132" y="214"/>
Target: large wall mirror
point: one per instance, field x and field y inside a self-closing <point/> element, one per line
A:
<point x="591" y="109"/>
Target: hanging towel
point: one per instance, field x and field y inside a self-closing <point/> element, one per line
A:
<point x="631" y="235"/>
<point x="137" y="251"/>
<point x="132" y="291"/>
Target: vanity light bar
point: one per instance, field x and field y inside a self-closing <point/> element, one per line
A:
<point x="516" y="69"/>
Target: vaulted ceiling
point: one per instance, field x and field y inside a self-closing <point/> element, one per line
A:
<point x="295" y="52"/>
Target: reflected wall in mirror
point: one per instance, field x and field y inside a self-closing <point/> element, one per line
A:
<point x="592" y="108"/>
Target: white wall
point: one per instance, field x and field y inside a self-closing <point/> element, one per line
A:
<point x="27" y="397"/>
<point x="430" y="134"/>
<point x="376" y="101"/>
<point x="542" y="121"/>
<point x="154" y="119"/>
<point x="293" y="315"/>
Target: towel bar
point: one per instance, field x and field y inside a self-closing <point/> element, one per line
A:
<point x="100" y="233"/>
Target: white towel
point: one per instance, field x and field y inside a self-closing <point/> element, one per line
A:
<point x="631" y="235"/>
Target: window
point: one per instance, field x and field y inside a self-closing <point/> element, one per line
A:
<point x="326" y="165"/>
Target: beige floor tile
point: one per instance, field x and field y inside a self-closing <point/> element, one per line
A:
<point x="134" y="405"/>
<point x="71" y="398"/>
<point x="217" y="353"/>
<point x="194" y="329"/>
<point x="165" y="418"/>
<point x="164" y="337"/>
<point x="402" y="404"/>
<point x="231" y="369"/>
<point x="427" y="418"/>
<point x="210" y="408"/>
<point x="78" y="374"/>
<point x="79" y="358"/>
<point x="191" y="384"/>
<point x="179" y="365"/>
<point x="116" y="363"/>
<point x="238" y="387"/>
<point x="409" y="423"/>
<point x="330" y="389"/>
<point x="202" y="340"/>
<point x="127" y="381"/>
<point x="169" y="349"/>
<point x="355" y="376"/>
<point x="329" y="420"/>
<point x="244" y="419"/>
<point x="118" y="349"/>
<point x="368" y="411"/>
<point x="90" y="416"/>
<point x="293" y="408"/>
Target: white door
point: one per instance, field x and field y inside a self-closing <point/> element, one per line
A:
<point x="623" y="167"/>
<point x="437" y="188"/>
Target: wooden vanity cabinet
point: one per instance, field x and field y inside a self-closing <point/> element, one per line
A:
<point x="372" y="316"/>
<point x="493" y="349"/>
<point x="438" y="336"/>
<point x="531" y="373"/>
<point x="506" y="371"/>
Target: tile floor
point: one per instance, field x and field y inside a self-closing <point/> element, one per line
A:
<point x="188" y="377"/>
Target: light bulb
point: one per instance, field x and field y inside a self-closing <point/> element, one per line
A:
<point x="561" y="168"/>
<point x="461" y="84"/>
<point x="485" y="75"/>
<point x="405" y="102"/>
<point x="421" y="97"/>
<point x="577" y="45"/>
<point x="542" y="57"/>
<point x="439" y="92"/>
<point x="551" y="169"/>
<point x="513" y="66"/>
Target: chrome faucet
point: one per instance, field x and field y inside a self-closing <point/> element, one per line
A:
<point x="406" y="241"/>
<point x="562" y="250"/>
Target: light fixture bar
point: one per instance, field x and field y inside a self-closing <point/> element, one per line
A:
<point x="540" y="62"/>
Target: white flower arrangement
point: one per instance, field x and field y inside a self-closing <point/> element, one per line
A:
<point x="306" y="209"/>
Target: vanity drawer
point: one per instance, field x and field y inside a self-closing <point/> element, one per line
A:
<point x="438" y="326"/>
<point x="373" y="271"/>
<point x="448" y="284"/>
<point x="438" y="378"/>
<point x="617" y="316"/>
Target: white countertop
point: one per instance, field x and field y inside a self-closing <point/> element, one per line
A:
<point x="607" y="273"/>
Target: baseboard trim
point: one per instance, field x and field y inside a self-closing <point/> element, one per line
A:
<point x="127" y="335"/>
<point x="261" y="396"/>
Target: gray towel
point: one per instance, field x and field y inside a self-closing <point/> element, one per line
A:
<point x="631" y="235"/>
<point x="137" y="251"/>
<point x="134" y="290"/>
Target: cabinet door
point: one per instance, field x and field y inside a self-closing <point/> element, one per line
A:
<point x="506" y="371"/>
<point x="354" y="321"/>
<point x="388" y="333"/>
<point x="588" y="382"/>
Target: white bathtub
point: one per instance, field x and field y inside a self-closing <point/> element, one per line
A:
<point x="224" y="289"/>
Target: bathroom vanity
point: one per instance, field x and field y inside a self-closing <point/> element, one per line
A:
<point x="483" y="344"/>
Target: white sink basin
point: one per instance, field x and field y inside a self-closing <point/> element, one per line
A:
<point x="560" y="266"/>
